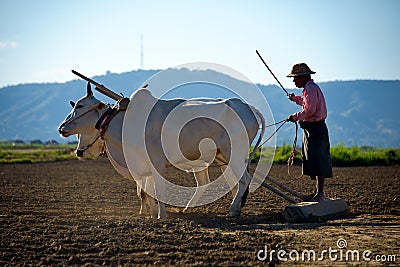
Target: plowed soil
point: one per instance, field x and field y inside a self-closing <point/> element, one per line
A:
<point x="84" y="213"/>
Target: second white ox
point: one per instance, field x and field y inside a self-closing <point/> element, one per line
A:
<point x="147" y="159"/>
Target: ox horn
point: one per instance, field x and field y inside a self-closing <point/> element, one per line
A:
<point x="89" y="91"/>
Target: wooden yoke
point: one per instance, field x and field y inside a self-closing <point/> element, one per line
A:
<point x="99" y="87"/>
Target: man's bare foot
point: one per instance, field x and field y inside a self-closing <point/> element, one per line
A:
<point x="309" y="197"/>
<point x="318" y="198"/>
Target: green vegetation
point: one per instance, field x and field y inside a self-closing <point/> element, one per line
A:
<point x="31" y="153"/>
<point x="341" y="155"/>
<point x="364" y="156"/>
<point x="344" y="156"/>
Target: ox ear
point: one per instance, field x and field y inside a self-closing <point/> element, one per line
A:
<point x="72" y="103"/>
<point x="89" y="90"/>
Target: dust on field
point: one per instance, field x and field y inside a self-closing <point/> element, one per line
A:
<point x="83" y="212"/>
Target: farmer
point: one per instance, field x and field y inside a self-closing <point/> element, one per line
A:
<point x="315" y="150"/>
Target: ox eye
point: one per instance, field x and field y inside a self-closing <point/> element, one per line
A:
<point x="78" y="106"/>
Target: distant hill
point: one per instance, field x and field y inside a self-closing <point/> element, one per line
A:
<point x="360" y="112"/>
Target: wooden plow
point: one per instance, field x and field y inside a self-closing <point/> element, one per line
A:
<point x="306" y="211"/>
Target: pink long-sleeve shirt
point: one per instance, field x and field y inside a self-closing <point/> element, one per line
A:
<point x="313" y="103"/>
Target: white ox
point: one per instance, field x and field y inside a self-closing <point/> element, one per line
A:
<point x="150" y="160"/>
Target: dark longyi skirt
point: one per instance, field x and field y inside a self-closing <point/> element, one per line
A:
<point x="316" y="149"/>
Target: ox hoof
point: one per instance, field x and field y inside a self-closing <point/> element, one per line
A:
<point x="143" y="211"/>
<point x="234" y="214"/>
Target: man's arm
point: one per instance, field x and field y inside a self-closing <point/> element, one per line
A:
<point x="297" y="99"/>
<point x="309" y="105"/>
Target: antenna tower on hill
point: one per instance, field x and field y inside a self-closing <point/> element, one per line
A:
<point x="141" y="51"/>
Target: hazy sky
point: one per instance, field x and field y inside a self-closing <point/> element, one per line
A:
<point x="42" y="40"/>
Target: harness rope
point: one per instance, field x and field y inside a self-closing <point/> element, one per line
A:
<point x="91" y="144"/>
<point x="293" y="152"/>
<point x="76" y="118"/>
<point x="276" y="123"/>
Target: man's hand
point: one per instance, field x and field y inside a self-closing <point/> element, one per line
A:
<point x="291" y="97"/>
<point x="290" y="118"/>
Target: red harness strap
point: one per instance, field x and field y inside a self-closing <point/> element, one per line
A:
<point x="105" y="119"/>
<point x="111" y="112"/>
<point x="103" y="150"/>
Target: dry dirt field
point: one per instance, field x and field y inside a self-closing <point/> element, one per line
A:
<point x="84" y="213"/>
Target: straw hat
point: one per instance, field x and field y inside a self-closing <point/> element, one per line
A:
<point x="299" y="70"/>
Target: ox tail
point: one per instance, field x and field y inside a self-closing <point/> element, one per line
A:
<point x="261" y="121"/>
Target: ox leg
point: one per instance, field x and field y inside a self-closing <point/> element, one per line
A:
<point x="149" y="200"/>
<point x="202" y="179"/>
<point x="244" y="181"/>
<point x="159" y="186"/>
<point x="151" y="203"/>
<point x="147" y="203"/>
<point x="146" y="200"/>
<point x="228" y="178"/>
<point x="142" y="196"/>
